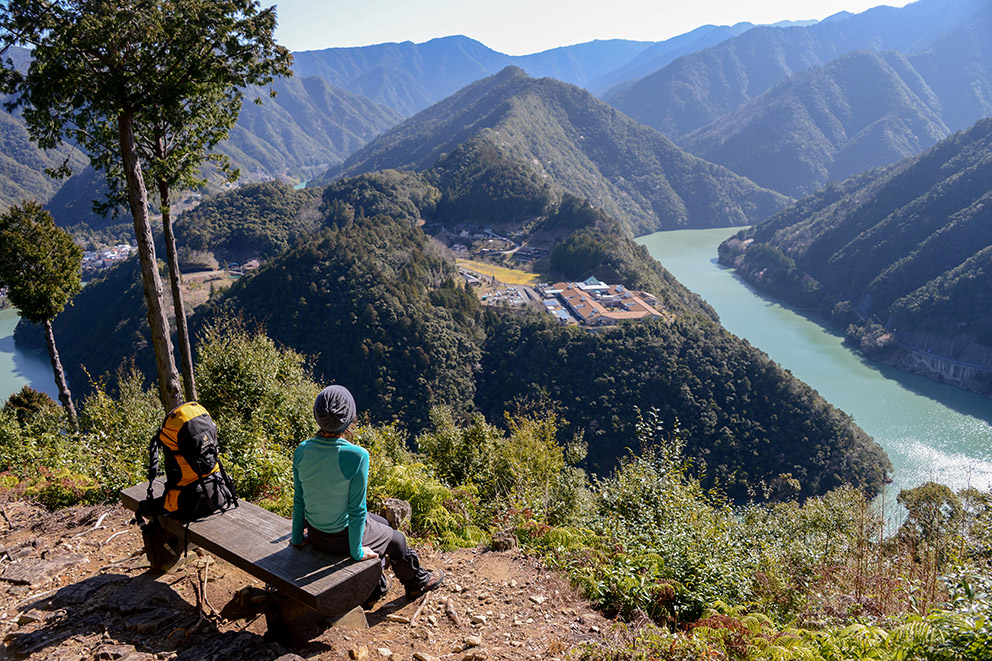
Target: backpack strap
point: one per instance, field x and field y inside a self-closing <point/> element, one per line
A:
<point x="153" y="459"/>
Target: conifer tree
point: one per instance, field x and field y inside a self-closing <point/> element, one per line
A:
<point x="106" y="75"/>
<point x="40" y="265"/>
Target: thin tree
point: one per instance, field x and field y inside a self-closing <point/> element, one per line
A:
<point x="101" y="75"/>
<point x="40" y="264"/>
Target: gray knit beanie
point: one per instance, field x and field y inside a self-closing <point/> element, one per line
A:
<point x="334" y="409"/>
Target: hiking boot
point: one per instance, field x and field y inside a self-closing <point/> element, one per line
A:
<point x="433" y="583"/>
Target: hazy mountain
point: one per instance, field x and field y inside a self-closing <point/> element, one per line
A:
<point x="662" y="53"/>
<point x="827" y="123"/>
<point x="908" y="246"/>
<point x="307" y="127"/>
<point x="408" y="77"/>
<point x="22" y="164"/>
<point x="697" y="89"/>
<point x="509" y="132"/>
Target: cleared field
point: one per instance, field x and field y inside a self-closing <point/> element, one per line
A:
<point x="501" y="273"/>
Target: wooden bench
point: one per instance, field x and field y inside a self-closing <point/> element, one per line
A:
<point x="320" y="587"/>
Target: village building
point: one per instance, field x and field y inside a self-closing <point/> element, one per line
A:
<point x="595" y="304"/>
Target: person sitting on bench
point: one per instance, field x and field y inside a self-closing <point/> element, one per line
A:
<point x="330" y="476"/>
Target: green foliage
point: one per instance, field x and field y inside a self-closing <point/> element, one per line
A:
<point x="742" y="414"/>
<point x="525" y="470"/>
<point x="480" y="182"/>
<point x="39" y="262"/>
<point x="28" y="402"/>
<point x="190" y="103"/>
<point x="358" y="297"/>
<point x="261" y="398"/>
<point x="253" y="221"/>
<point x="403" y="196"/>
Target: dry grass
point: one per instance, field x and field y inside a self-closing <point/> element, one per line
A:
<point x="501" y="273"/>
<point x="196" y="289"/>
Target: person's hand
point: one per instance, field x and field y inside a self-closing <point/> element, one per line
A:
<point x="301" y="544"/>
<point x="368" y="553"/>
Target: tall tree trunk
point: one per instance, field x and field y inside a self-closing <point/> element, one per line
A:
<point x="158" y="323"/>
<point x="175" y="279"/>
<point x="64" y="395"/>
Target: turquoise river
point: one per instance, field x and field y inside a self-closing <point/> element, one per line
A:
<point x="19" y="367"/>
<point x="931" y="431"/>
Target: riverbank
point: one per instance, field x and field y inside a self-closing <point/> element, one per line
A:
<point x="930" y="430"/>
<point x="957" y="360"/>
<point x="19" y="366"/>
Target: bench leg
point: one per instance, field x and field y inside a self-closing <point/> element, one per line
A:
<point x="162" y="548"/>
<point x="288" y="619"/>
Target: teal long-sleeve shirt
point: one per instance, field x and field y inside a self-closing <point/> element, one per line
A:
<point x="330" y="478"/>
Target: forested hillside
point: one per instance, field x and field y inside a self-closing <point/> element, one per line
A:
<point x="509" y="144"/>
<point x="378" y="305"/>
<point x="827" y="123"/>
<point x="22" y="163"/>
<point x="308" y="126"/>
<point x="257" y="221"/>
<point x="900" y="252"/>
<point x="950" y="36"/>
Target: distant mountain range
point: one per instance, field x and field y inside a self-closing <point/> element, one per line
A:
<point x="512" y="131"/>
<point x="791" y="107"/>
<point x="903" y="253"/>
<point x="862" y="110"/>
<point x="700" y="88"/>
<point x="308" y="126"/>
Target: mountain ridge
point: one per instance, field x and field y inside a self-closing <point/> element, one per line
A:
<point x="563" y="136"/>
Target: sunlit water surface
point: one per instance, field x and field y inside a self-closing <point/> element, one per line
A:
<point x="931" y="431"/>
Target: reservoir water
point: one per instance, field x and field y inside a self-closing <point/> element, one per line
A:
<point x="20" y="367"/>
<point x="931" y="431"/>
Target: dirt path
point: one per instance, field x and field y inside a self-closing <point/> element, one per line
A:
<point x="75" y="585"/>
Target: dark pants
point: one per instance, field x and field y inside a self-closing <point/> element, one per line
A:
<point x="385" y="541"/>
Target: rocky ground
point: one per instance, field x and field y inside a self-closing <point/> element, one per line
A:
<point x="74" y="584"/>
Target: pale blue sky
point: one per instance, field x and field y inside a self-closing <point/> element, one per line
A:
<point x="518" y="27"/>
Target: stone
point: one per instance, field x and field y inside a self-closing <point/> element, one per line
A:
<point x="30" y="617"/>
<point x="473" y="641"/>
<point x="478" y="619"/>
<point x="537" y="599"/>
<point x="393" y="617"/>
<point x="290" y="657"/>
<point x="144" y="594"/>
<point x="358" y="654"/>
<point x="503" y="541"/>
<point x="421" y="656"/>
<point x="385" y="652"/>
<point x="398" y="513"/>
<point x="84" y="591"/>
<point x="110" y="652"/>
<point x="353" y="619"/>
<point x="35" y="571"/>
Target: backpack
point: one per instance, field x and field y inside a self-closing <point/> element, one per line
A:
<point x="195" y="482"/>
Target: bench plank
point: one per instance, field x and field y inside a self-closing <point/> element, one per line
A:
<point x="257" y="541"/>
